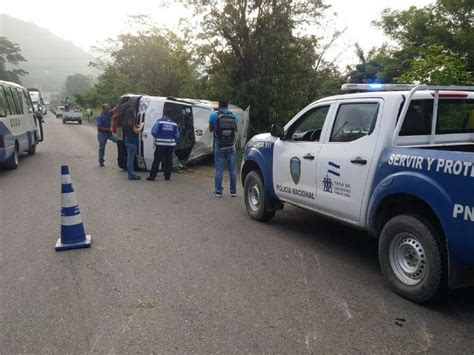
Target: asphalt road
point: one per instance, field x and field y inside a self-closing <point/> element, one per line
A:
<point x="173" y="270"/>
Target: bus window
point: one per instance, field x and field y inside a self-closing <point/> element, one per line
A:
<point x="11" y="104"/>
<point x="3" y="103"/>
<point x="20" y="100"/>
<point x="16" y="100"/>
<point x="29" y="105"/>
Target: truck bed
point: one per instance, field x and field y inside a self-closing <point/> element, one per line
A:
<point x="468" y="148"/>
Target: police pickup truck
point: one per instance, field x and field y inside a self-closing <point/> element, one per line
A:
<point x="395" y="160"/>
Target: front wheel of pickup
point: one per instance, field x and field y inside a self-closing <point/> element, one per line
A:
<point x="413" y="258"/>
<point x="255" y="198"/>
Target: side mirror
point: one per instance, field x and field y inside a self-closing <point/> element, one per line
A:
<point x="39" y="116"/>
<point x="277" y="131"/>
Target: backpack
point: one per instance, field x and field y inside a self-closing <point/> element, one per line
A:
<point x="225" y="130"/>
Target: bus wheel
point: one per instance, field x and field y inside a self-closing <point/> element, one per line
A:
<point x="14" y="160"/>
<point x="32" y="150"/>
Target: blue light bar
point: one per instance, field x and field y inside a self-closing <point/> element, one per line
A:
<point x="375" y="86"/>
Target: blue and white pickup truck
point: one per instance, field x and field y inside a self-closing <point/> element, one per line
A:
<point x="395" y="160"/>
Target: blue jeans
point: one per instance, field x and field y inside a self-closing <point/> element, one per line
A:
<point x="102" y="138"/>
<point x="220" y="157"/>
<point x="131" y="152"/>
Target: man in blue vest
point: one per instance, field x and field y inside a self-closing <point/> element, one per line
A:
<point x="166" y="134"/>
<point x="104" y="128"/>
<point x="223" y="124"/>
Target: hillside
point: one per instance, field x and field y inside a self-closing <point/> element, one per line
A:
<point x="50" y="59"/>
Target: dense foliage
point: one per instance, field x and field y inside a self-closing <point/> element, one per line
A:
<point x="260" y="53"/>
<point x="10" y="53"/>
<point x="435" y="45"/>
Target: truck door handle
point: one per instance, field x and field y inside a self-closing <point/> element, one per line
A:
<point x="309" y="157"/>
<point x="359" y="161"/>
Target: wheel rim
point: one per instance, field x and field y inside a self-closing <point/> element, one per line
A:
<point x="253" y="197"/>
<point x="408" y="259"/>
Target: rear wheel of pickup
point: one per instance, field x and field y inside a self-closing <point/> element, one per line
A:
<point x="413" y="258"/>
<point x="64" y="121"/>
<point x="255" y="198"/>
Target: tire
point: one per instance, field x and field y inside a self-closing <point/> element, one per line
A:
<point x="64" y="121"/>
<point x="32" y="150"/>
<point x="413" y="258"/>
<point x="14" y="160"/>
<point x="80" y="121"/>
<point x="255" y="198"/>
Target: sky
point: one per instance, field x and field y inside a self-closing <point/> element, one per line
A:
<point x="90" y="22"/>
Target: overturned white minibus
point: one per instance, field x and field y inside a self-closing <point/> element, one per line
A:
<point x="192" y="117"/>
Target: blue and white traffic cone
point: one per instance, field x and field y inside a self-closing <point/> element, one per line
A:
<point x="73" y="235"/>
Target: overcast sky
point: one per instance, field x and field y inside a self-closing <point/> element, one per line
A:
<point x="87" y="22"/>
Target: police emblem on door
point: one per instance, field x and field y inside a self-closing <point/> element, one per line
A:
<point x="295" y="169"/>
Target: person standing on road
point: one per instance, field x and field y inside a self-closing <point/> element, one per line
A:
<point x="166" y="134"/>
<point x="89" y="114"/>
<point x="104" y="131"/>
<point x="131" y="130"/>
<point x="223" y="124"/>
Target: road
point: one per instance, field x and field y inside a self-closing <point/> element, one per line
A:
<point x="173" y="270"/>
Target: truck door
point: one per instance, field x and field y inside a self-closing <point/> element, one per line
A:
<point x="346" y="158"/>
<point x="295" y="157"/>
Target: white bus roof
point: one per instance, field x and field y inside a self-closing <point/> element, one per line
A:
<point x="12" y="84"/>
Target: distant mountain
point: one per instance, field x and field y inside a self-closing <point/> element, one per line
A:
<point x="50" y="59"/>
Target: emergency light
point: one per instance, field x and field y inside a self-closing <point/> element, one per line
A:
<point x="376" y="87"/>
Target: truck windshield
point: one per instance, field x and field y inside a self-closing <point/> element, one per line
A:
<point x="34" y="96"/>
<point x="454" y="116"/>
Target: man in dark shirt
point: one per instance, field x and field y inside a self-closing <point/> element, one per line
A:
<point x="130" y="131"/>
<point x="104" y="123"/>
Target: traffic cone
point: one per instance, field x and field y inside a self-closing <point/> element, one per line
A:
<point x="73" y="235"/>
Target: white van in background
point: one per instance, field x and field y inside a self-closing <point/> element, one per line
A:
<point x="192" y="117"/>
<point x="20" y="127"/>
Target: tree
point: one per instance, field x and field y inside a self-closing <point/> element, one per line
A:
<point x="438" y="66"/>
<point x="439" y="32"/>
<point x="151" y="61"/>
<point x="10" y="53"/>
<point x="77" y="83"/>
<point x="255" y="53"/>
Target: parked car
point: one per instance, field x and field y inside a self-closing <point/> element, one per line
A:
<point x="59" y="111"/>
<point x="399" y="164"/>
<point x="72" y="116"/>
